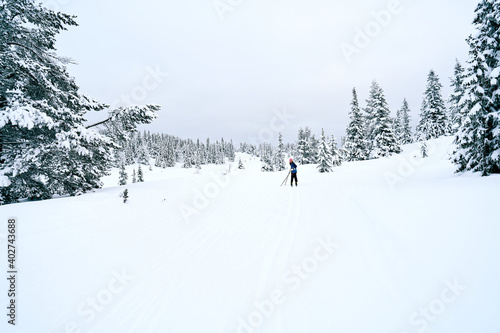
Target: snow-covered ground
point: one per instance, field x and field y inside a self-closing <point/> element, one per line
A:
<point x="397" y="245"/>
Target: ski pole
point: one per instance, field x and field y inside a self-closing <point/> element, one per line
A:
<point x="286" y="178"/>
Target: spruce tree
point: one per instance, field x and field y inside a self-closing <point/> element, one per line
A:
<point x="324" y="155"/>
<point x="384" y="141"/>
<point x="140" y="175"/>
<point x="355" y="141"/>
<point x="478" y="139"/>
<point x="280" y="155"/>
<point x="266" y="157"/>
<point x="123" y="176"/>
<point x="433" y="120"/>
<point x="336" y="154"/>
<point x="404" y="133"/>
<point x="197" y="160"/>
<point x="304" y="143"/>
<point x="45" y="147"/>
<point x="313" y="147"/>
<point x="456" y="108"/>
<point x="240" y="165"/>
<point x="370" y="115"/>
<point x="143" y="154"/>
<point x="134" y="176"/>
<point x="125" y="196"/>
<point x="188" y="157"/>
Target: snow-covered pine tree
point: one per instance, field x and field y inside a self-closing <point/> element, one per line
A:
<point x="220" y="157"/>
<point x="189" y="153"/>
<point x="335" y="151"/>
<point x="433" y="119"/>
<point x="324" y="155"/>
<point x="403" y="119"/>
<point x="188" y="160"/>
<point x="314" y="147"/>
<point x="280" y="155"/>
<point x="140" y="175"/>
<point x="300" y="145"/>
<point x="266" y="157"/>
<point x="240" y="165"/>
<point x="142" y="153"/>
<point x="369" y="116"/>
<point x="134" y="176"/>
<point x="398" y="127"/>
<point x="455" y="114"/>
<point x="230" y="151"/>
<point x="381" y="126"/>
<point x="355" y="142"/>
<point x="478" y="139"/>
<point x="125" y="195"/>
<point x="304" y="151"/>
<point x="123" y="175"/>
<point x="423" y="149"/>
<point x="45" y="147"/>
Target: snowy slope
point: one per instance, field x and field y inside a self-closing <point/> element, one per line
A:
<point x="392" y="245"/>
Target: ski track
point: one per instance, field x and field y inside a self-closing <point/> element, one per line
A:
<point x="277" y="262"/>
<point x="380" y="258"/>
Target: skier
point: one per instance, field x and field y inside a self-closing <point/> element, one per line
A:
<point x="293" y="170"/>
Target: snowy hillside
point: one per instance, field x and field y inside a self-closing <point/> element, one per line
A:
<point x="396" y="244"/>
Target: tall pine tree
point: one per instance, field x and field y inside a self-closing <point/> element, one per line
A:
<point x="123" y="175"/>
<point x="370" y="115"/>
<point x="478" y="139"/>
<point x="355" y="141"/>
<point x="324" y="155"/>
<point x="383" y="141"/>
<point x="45" y="147"/>
<point x="403" y="119"/>
<point x="433" y="120"/>
<point x="456" y="108"/>
<point x="336" y="155"/>
<point x="280" y="155"/>
<point x="305" y="154"/>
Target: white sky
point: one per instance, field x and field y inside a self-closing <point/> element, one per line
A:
<point x="225" y="77"/>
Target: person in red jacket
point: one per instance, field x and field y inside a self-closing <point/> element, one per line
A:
<point x="293" y="170"/>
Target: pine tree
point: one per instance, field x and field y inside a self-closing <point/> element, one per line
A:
<point x="134" y="177"/>
<point x="456" y="108"/>
<point x="266" y="157"/>
<point x="304" y="149"/>
<point x="240" y="165"/>
<point x="336" y="154"/>
<point x="123" y="176"/>
<point x="46" y="148"/>
<point x="324" y="155"/>
<point x="404" y="133"/>
<point x="197" y="160"/>
<point x="280" y="155"/>
<point x="231" y="151"/>
<point x="314" y="147"/>
<point x="188" y="157"/>
<point x="355" y="142"/>
<point x="383" y="141"/>
<point x="423" y="149"/>
<point x="370" y="115"/>
<point x="433" y="120"/>
<point x="140" y="175"/>
<point x="143" y="154"/>
<point x="478" y="139"/>
<point x="124" y="195"/>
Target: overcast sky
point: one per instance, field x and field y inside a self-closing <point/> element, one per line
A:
<point x="231" y="69"/>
